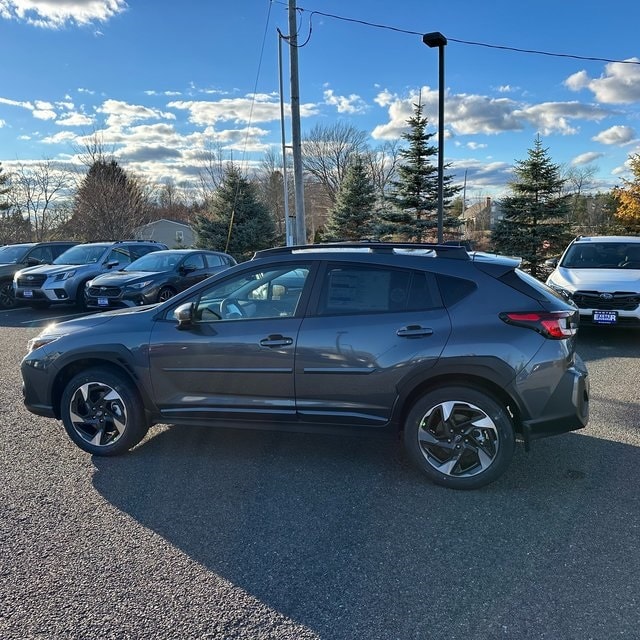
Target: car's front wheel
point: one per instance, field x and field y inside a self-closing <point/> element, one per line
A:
<point x="165" y="293"/>
<point x="460" y="437"/>
<point x="7" y="298"/>
<point x="102" y="412"/>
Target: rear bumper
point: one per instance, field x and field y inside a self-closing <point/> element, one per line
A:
<point x="572" y="414"/>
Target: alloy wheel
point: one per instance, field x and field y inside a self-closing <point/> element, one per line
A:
<point x="458" y="439"/>
<point x="98" y="414"/>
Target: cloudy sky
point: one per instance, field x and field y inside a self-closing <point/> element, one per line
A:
<point x="161" y="81"/>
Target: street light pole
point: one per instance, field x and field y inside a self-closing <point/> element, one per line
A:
<point x="436" y="39"/>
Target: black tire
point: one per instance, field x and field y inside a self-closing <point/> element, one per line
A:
<point x="102" y="412"/>
<point x="81" y="298"/>
<point x="165" y="293"/>
<point x="460" y="437"/>
<point x="7" y="297"/>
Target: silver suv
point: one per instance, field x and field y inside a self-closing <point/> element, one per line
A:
<point x="64" y="280"/>
<point x="458" y="353"/>
<point x="601" y="275"/>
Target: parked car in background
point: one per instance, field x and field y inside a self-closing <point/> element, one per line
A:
<point x="155" y="277"/>
<point x="64" y="280"/>
<point x="14" y="257"/>
<point x="461" y="353"/>
<point x="601" y="275"/>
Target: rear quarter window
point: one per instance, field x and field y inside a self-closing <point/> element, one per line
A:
<point x="454" y="289"/>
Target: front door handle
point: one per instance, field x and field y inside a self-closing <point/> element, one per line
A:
<point x="276" y="341"/>
<point x="414" y="331"/>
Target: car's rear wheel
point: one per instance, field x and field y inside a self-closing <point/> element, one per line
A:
<point x="460" y="437"/>
<point x="165" y="293"/>
<point x="7" y="297"/>
<point x="102" y="412"/>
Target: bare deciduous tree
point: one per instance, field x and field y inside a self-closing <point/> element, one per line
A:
<point x="327" y="152"/>
<point x="41" y="193"/>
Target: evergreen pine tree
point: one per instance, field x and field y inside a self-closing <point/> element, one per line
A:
<point x="353" y="215"/>
<point x="535" y="215"/>
<point x="236" y="221"/>
<point x="414" y="196"/>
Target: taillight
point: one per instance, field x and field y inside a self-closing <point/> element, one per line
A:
<point x="556" y="325"/>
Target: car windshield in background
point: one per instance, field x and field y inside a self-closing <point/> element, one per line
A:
<point x="154" y="262"/>
<point x="81" y="254"/>
<point x="12" y="253"/>
<point x="604" y="255"/>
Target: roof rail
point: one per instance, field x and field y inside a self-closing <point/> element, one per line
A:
<point x="441" y="250"/>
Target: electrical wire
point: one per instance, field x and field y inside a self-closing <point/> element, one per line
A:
<point x="250" y="120"/>
<point x="386" y="27"/>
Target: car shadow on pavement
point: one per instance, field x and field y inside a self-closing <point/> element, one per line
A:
<point x="344" y="536"/>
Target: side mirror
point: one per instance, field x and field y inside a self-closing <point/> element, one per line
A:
<point x="184" y="269"/>
<point x="184" y="315"/>
<point x="551" y="262"/>
<point x="111" y="264"/>
<point x="32" y="262"/>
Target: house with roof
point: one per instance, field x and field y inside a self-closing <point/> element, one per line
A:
<point x="174" y="234"/>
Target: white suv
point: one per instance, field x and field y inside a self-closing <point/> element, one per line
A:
<point x="601" y="274"/>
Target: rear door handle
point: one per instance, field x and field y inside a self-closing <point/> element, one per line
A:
<point x="414" y="331"/>
<point x="276" y="341"/>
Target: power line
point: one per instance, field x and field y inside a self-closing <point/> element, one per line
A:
<point x="387" y="27"/>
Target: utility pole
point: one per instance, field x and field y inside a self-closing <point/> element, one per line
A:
<point x="296" y="138"/>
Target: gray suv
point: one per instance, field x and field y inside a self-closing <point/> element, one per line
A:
<point x="64" y="280"/>
<point x="460" y="353"/>
<point x="14" y="257"/>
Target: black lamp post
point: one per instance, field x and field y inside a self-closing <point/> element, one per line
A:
<point x="436" y="39"/>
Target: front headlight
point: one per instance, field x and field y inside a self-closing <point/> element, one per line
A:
<point x="41" y="341"/>
<point x="561" y="290"/>
<point x="64" y="276"/>
<point x="140" y="285"/>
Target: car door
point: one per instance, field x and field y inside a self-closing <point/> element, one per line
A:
<point x="235" y="359"/>
<point x="372" y="326"/>
<point x="191" y="271"/>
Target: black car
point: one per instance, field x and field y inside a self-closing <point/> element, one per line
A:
<point x="14" y="257"/>
<point x="458" y="353"/>
<point x="155" y="277"/>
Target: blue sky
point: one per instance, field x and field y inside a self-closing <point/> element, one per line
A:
<point x="162" y="81"/>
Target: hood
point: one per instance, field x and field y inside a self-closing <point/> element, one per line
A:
<point x="121" y="278"/>
<point x="51" y="269"/>
<point x="598" y="279"/>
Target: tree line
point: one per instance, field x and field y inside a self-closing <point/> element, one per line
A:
<point x="352" y="192"/>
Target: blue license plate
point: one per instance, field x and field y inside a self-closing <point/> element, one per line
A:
<point x="605" y="317"/>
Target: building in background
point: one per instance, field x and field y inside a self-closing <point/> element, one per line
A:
<point x="174" y="234"/>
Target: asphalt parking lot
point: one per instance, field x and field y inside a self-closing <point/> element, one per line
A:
<point x="220" y="534"/>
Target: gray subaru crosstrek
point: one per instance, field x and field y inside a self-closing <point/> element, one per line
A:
<point x="460" y="353"/>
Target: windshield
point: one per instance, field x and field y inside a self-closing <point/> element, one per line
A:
<point x="12" y="253"/>
<point x="82" y="254"/>
<point x="155" y="261"/>
<point x="602" y="255"/>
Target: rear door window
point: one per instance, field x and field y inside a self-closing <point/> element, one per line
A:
<point x="355" y="289"/>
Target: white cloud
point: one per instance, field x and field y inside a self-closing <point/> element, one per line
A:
<point x="555" y="117"/>
<point x="618" y="135"/>
<point x="3" y="123"/>
<point x="74" y="120"/>
<point x="345" y="104"/>
<point x="586" y="158"/>
<point x="620" y="83"/>
<point x="260" y="108"/>
<point x="123" y="114"/>
<point x="55" y="14"/>
<point x="16" y="103"/>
